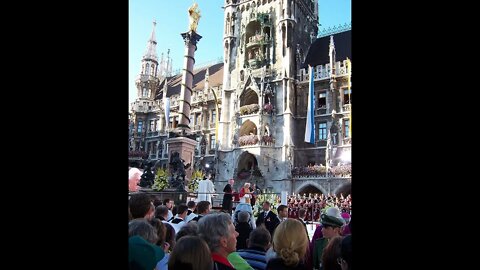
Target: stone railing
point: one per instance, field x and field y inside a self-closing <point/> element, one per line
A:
<point x="248" y="140"/>
<point x="139" y="154"/>
<point x="249" y="109"/>
<point x="321" y="171"/>
<point x="321" y="72"/>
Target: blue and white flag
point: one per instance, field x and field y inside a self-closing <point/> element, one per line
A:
<point x="309" y="126"/>
<point x="167" y="111"/>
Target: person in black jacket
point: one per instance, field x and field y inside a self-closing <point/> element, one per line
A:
<point x="268" y="218"/>
<point x="243" y="228"/>
<point x="228" y="197"/>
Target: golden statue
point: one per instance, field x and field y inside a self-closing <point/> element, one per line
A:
<point x="194" y="13"/>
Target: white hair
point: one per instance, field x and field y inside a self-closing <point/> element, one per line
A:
<point x="133" y="172"/>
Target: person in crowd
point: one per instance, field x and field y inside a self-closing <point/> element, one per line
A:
<point x="282" y="211"/>
<point x="243" y="228"/>
<point x="301" y="216"/>
<point x="332" y="223"/>
<point x="191" y="211"/>
<point x="227" y="201"/>
<point x="268" y="218"/>
<point x="141" y="206"/>
<point x="179" y="220"/>
<point x="331" y="254"/>
<point x="203" y="208"/>
<point x="191" y="253"/>
<point x="188" y="229"/>
<point x="169" y="204"/>
<point x="258" y="243"/>
<point x="290" y="243"/>
<point x="245" y="193"/>
<point x="142" y="227"/>
<point x="345" y="259"/>
<point x="205" y="190"/>
<point x="134" y="175"/>
<point x="161" y="229"/>
<point x="143" y="255"/>
<point x="219" y="232"/>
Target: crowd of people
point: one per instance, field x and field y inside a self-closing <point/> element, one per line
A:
<point x="314" y="204"/>
<point x="163" y="235"/>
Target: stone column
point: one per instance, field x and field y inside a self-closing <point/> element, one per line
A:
<point x="191" y="38"/>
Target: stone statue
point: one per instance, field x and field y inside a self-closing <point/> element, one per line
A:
<point x="146" y="180"/>
<point x="194" y="13"/>
<point x="177" y="169"/>
<point x="267" y="130"/>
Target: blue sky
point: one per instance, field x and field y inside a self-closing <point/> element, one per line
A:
<point x="172" y="19"/>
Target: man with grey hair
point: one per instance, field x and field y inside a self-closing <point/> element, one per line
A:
<point x="219" y="232"/>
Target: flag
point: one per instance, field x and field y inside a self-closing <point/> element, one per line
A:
<point x="309" y="126"/>
<point x="349" y="71"/>
<point x="167" y="111"/>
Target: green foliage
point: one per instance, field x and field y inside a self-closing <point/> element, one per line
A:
<point x="196" y="177"/>
<point x="273" y="198"/>
<point x="161" y="181"/>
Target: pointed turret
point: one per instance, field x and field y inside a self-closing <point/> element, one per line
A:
<point x="151" y="51"/>
<point x="331" y="53"/>
<point x="148" y="79"/>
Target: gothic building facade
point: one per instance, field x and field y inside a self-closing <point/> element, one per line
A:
<point x="259" y="96"/>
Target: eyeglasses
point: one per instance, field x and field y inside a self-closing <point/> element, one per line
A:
<point x="341" y="261"/>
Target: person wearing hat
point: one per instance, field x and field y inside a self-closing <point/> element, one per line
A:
<point x="143" y="255"/>
<point x="332" y="223"/>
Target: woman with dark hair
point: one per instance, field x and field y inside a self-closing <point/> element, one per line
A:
<point x="331" y="253"/>
<point x="190" y="252"/>
<point x="345" y="259"/>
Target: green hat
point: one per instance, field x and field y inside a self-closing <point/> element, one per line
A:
<point x="331" y="221"/>
<point x="142" y="254"/>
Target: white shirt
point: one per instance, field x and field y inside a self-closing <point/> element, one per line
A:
<point x="205" y="186"/>
<point x="190" y="217"/>
<point x="170" y="215"/>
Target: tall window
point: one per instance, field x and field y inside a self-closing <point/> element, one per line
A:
<point x="152" y="125"/>
<point x="158" y="125"/>
<point x="322" y="103"/>
<point x="214" y="114"/>
<point x="212" y="142"/>
<point x="347" y="96"/>
<point x="346" y="127"/>
<point x="322" y="131"/>
<point x="144" y="92"/>
<point x="139" y="126"/>
<point x="198" y="119"/>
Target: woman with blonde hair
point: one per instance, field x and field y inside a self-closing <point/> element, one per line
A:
<point x="290" y="243"/>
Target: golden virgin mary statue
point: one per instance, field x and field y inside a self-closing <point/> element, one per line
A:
<point x="194" y="13"/>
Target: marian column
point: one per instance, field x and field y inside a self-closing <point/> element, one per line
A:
<point x="191" y="38"/>
<point x="180" y="142"/>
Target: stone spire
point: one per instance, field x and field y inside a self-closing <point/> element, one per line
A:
<point x="151" y="51"/>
